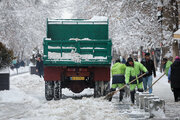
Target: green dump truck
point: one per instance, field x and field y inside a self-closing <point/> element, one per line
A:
<point x="77" y="55"/>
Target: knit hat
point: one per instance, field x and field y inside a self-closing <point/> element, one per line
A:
<point x="177" y="58"/>
<point x="130" y="59"/>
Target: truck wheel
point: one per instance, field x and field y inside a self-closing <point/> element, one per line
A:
<point x="97" y="90"/>
<point x="49" y="92"/>
<point x="101" y="88"/>
<point x="57" y="90"/>
<point x="106" y="88"/>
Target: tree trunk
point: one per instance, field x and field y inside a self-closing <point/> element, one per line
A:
<point x="175" y="49"/>
<point x="141" y="50"/>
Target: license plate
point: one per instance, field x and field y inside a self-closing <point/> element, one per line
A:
<point x="77" y="78"/>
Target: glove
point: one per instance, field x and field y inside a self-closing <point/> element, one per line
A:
<point x="127" y="84"/>
<point x="147" y="72"/>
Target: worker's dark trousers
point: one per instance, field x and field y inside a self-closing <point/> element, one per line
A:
<point x="121" y="93"/>
<point x="176" y="94"/>
<point x="133" y="94"/>
<point x="41" y="73"/>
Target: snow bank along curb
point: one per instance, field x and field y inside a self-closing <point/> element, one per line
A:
<point x="150" y="103"/>
<point x="19" y="70"/>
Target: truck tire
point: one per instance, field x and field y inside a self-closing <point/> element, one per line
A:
<point x="57" y="90"/>
<point x="96" y="89"/>
<point x="106" y="88"/>
<point x="101" y="88"/>
<point x="49" y="90"/>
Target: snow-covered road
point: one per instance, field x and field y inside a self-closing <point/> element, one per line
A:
<point x="25" y="101"/>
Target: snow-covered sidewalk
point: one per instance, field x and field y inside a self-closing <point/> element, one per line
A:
<point x="20" y="70"/>
<point x="162" y="89"/>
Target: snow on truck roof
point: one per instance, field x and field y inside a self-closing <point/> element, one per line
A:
<point x="93" y="20"/>
<point x="176" y="34"/>
<point x="98" y="18"/>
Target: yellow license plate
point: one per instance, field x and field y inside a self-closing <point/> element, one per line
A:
<point x="77" y="78"/>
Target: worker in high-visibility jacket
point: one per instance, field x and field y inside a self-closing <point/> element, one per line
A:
<point x="118" y="78"/>
<point x="133" y="70"/>
<point x="167" y="64"/>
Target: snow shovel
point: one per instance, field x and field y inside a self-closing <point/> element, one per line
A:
<point x="109" y="95"/>
<point x="155" y="81"/>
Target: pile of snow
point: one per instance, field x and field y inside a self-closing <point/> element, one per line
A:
<point x="77" y="39"/>
<point x="76" y="57"/>
<point x="73" y="56"/>
<point x="27" y="92"/>
<point x="48" y="39"/>
<point x="85" y="109"/>
<point x="50" y="47"/>
<point x="18" y="86"/>
<point x="98" y="18"/>
<point x="92" y="48"/>
<point x="159" y="113"/>
<point x="15" y="95"/>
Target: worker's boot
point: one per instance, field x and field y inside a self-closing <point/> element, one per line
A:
<point x="132" y="96"/>
<point x="175" y="95"/>
<point x="140" y="90"/>
<point x="111" y="90"/>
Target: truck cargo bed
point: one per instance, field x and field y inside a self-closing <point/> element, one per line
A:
<point x="77" y="52"/>
<point x="77" y="42"/>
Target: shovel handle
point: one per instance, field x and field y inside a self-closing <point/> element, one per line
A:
<point x="155" y="81"/>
